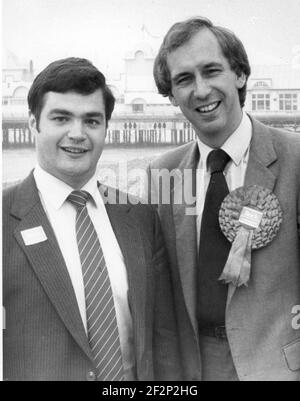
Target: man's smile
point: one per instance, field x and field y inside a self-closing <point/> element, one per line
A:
<point x="74" y="149"/>
<point x="208" y="108"/>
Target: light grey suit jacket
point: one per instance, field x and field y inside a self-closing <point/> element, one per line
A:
<point x="44" y="337"/>
<point x="263" y="343"/>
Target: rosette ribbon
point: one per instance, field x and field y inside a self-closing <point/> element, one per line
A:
<point x="238" y="267"/>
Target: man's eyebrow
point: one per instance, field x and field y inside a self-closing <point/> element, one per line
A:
<point x="94" y="114"/>
<point x="213" y="64"/>
<point x="203" y="66"/>
<point x="60" y="111"/>
<point x="68" y="113"/>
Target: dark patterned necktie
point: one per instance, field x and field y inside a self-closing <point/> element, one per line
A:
<point x="214" y="247"/>
<point x="102" y="325"/>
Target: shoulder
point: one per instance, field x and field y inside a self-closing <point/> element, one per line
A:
<point x="145" y="213"/>
<point x="284" y="147"/>
<point x="284" y="142"/>
<point x="172" y="158"/>
<point x="285" y="138"/>
<point x="126" y="202"/>
<point x="8" y="195"/>
<point x="287" y="147"/>
<point x="142" y="215"/>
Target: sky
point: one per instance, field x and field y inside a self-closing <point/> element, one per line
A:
<point x="104" y="30"/>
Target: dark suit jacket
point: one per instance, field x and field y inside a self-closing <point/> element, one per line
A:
<point x="263" y="342"/>
<point x="44" y="337"/>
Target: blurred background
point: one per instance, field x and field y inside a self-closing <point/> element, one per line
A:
<point x="122" y="39"/>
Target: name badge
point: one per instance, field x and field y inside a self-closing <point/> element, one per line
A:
<point x="251" y="217"/>
<point x="34" y="236"/>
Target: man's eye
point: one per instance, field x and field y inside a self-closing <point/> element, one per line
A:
<point x="213" y="71"/>
<point x="183" y="79"/>
<point x="92" y="122"/>
<point x="60" y="119"/>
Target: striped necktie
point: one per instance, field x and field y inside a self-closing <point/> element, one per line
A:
<point x="103" y="334"/>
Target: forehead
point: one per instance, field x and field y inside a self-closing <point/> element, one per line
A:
<point x="74" y="102"/>
<point x="201" y="49"/>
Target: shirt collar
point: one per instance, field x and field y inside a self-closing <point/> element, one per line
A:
<point x="55" y="191"/>
<point x="236" y="146"/>
<point x="92" y="188"/>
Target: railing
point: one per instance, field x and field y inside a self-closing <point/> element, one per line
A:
<point x="18" y="138"/>
<point x="134" y="131"/>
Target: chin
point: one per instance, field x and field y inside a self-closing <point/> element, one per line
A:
<point x="212" y="131"/>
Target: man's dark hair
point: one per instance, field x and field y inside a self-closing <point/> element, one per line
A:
<point x="182" y="32"/>
<point x="70" y="74"/>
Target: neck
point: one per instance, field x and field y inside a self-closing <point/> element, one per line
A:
<point x="214" y="142"/>
<point x="74" y="182"/>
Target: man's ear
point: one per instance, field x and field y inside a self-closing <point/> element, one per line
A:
<point x="32" y="123"/>
<point x="241" y="80"/>
<point x="173" y="101"/>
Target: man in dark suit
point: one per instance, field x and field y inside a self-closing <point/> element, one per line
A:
<point x="86" y="285"/>
<point x="249" y="335"/>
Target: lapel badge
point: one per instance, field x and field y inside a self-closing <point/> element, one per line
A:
<point x="34" y="235"/>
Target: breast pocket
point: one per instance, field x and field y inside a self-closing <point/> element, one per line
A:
<point x="292" y="355"/>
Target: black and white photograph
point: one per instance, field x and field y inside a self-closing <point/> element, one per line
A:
<point x="150" y="193"/>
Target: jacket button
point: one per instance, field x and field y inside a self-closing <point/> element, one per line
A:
<point x="91" y="376"/>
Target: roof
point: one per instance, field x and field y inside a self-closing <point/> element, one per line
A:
<point x="281" y="76"/>
<point x="12" y="62"/>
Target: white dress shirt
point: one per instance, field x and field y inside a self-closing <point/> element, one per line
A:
<point x="62" y="215"/>
<point x="237" y="147"/>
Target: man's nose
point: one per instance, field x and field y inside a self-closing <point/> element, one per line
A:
<point x="202" y="87"/>
<point x="76" y="131"/>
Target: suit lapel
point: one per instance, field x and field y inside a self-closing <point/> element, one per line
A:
<point x="261" y="170"/>
<point x="129" y="238"/>
<point x="262" y="156"/>
<point x="47" y="261"/>
<point x="186" y="229"/>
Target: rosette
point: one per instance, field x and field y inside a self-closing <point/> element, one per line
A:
<point x="250" y="218"/>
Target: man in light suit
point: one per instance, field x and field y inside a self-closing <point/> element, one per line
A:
<point x="86" y="286"/>
<point x="203" y="69"/>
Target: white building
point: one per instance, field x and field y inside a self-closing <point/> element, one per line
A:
<point x="273" y="97"/>
<point x="273" y="89"/>
<point x="139" y="96"/>
<point x="17" y="77"/>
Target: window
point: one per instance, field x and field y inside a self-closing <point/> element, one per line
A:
<point x="288" y="101"/>
<point x="138" y="108"/>
<point x="261" y="102"/>
<point x="138" y="105"/>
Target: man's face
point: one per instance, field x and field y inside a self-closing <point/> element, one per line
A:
<point x="71" y="135"/>
<point x="205" y="88"/>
